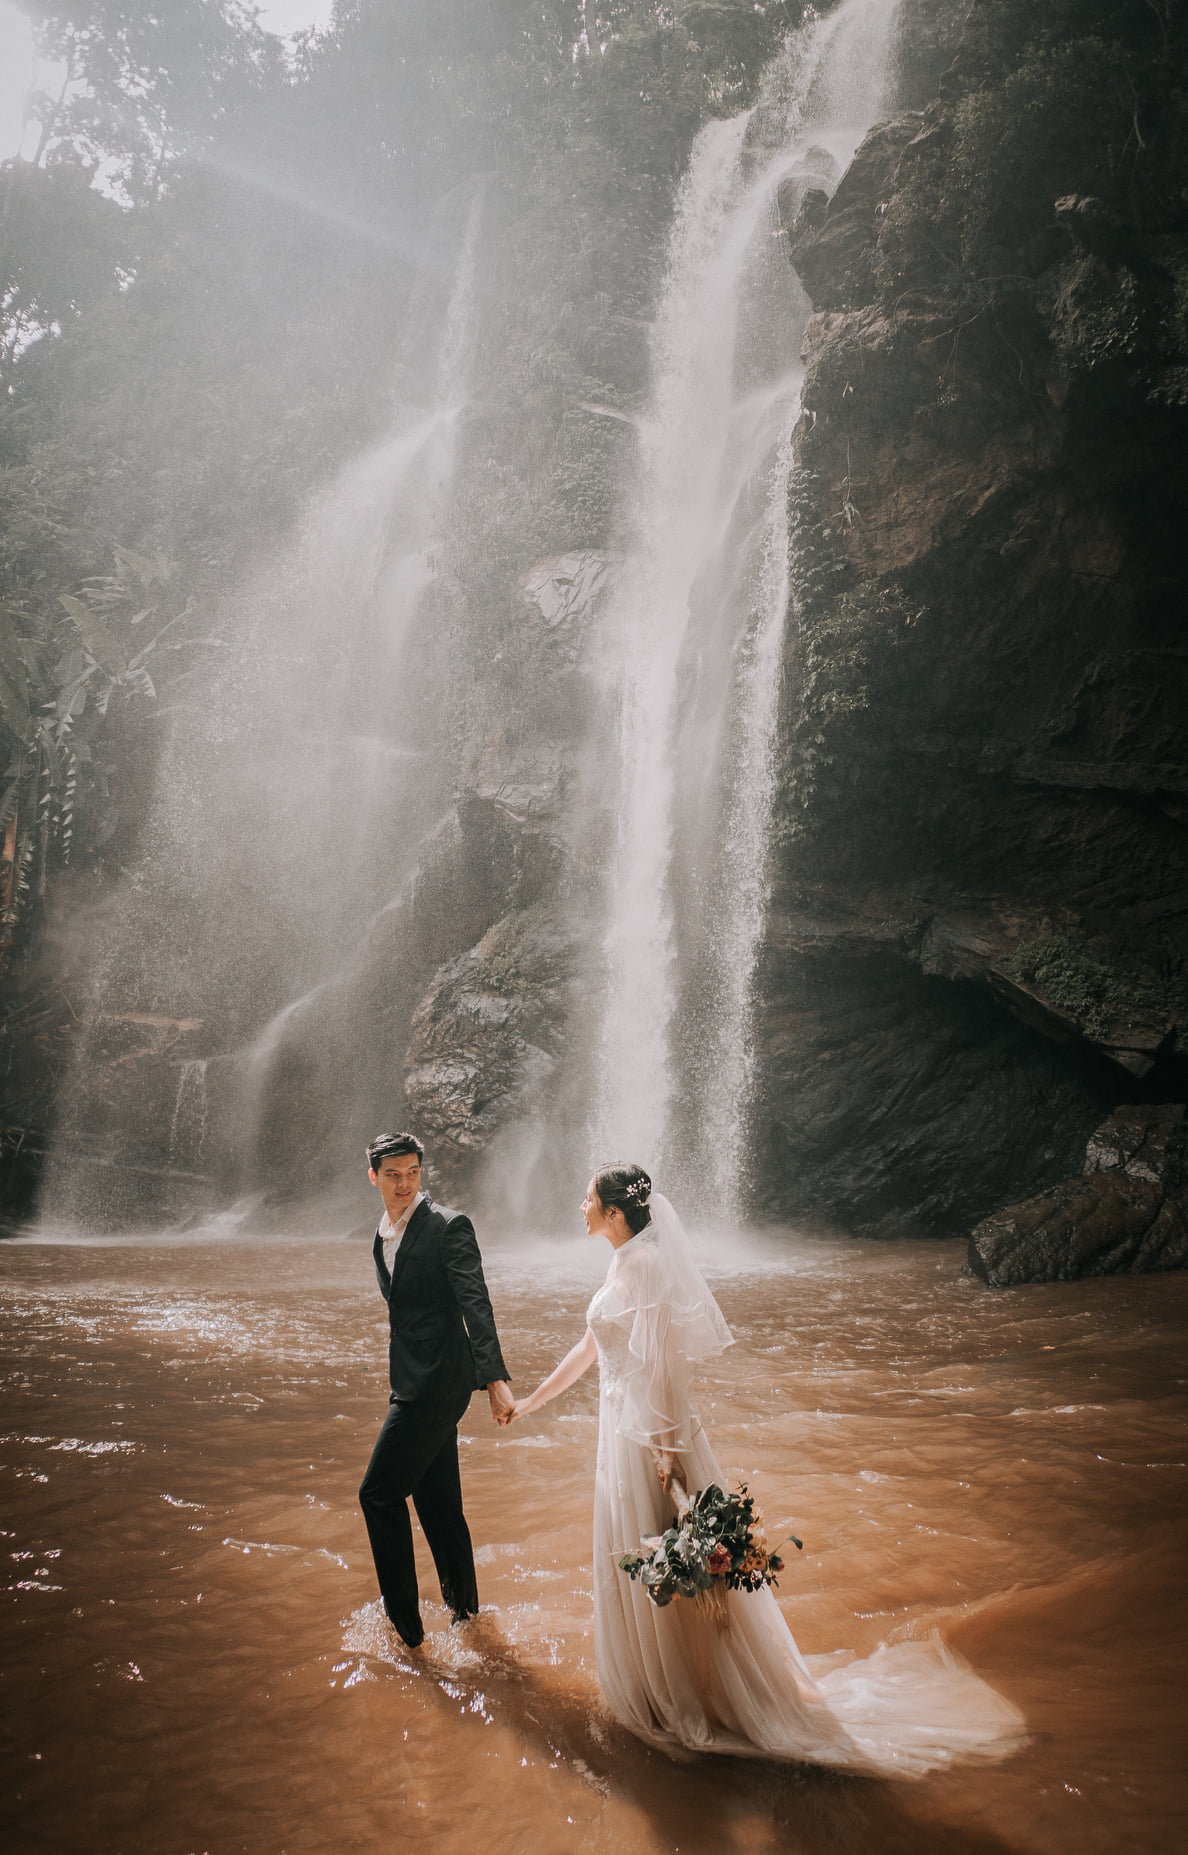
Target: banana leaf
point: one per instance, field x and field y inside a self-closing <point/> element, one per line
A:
<point x="95" y="635"/>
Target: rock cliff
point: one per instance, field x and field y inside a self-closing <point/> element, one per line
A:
<point x="981" y="909"/>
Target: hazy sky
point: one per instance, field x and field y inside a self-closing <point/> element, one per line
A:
<point x="292" y="15"/>
<point x="17" y="67"/>
<point x="16" y="75"/>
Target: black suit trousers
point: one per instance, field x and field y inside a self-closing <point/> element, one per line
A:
<point x="416" y="1454"/>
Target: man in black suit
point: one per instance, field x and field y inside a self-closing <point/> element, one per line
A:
<point x="442" y="1347"/>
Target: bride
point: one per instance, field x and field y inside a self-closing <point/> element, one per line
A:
<point x="674" y="1675"/>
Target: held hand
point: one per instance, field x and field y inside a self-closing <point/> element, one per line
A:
<point x="668" y="1468"/>
<point x="499" y="1394"/>
<point x="520" y="1408"/>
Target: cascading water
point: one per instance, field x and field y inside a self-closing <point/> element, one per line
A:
<point x="188" y="1125"/>
<point x="290" y="800"/>
<point x="694" y="634"/>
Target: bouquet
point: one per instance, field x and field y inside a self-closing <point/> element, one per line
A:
<point x="717" y="1545"/>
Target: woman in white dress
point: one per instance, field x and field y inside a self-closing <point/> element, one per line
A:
<point x="678" y="1676"/>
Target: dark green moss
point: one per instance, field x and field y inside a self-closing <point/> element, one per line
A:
<point x="1099" y="997"/>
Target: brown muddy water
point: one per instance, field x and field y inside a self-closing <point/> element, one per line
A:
<point x="193" y="1660"/>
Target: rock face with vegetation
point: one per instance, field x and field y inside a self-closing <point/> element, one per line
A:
<point x="981" y="917"/>
<point x="979" y="914"/>
<point x="191" y="354"/>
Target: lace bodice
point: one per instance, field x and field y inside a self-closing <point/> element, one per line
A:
<point x="644" y="1372"/>
<point x="622" y="1285"/>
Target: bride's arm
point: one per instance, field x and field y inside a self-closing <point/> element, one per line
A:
<point x="577" y="1360"/>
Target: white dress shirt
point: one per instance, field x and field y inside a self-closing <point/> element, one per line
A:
<point x="391" y="1233"/>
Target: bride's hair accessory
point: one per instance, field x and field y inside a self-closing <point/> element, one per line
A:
<point x="624" y="1187"/>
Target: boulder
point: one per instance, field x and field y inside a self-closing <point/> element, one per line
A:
<point x="1128" y="1213"/>
<point x="487" y="1040"/>
<point x="832" y="241"/>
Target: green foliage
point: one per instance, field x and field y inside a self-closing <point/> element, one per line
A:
<point x="1099" y="997"/>
<point x="1077" y="98"/>
<point x="1059" y="124"/>
<point x="143" y="85"/>
<point x="1096" y="319"/>
<point x="62" y="247"/>
<point x="209" y="271"/>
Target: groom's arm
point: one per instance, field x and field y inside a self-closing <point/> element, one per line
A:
<point x="464" y="1266"/>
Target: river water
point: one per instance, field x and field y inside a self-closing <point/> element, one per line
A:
<point x="193" y="1660"/>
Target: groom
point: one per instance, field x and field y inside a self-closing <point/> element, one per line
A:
<point x="442" y="1347"/>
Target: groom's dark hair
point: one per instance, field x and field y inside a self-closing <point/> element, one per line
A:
<point x="392" y="1146"/>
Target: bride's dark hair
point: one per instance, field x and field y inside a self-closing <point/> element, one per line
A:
<point x="625" y="1188"/>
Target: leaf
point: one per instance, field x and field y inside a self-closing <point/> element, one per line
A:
<point x="12" y="661"/>
<point x="14" y="679"/>
<point x="15" y="706"/>
<point x="67" y="696"/>
<point x="95" y="635"/>
<point x="146" y="571"/>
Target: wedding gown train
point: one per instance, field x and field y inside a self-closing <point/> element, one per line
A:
<point x="673" y="1675"/>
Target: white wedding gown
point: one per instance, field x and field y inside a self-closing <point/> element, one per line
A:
<point x="673" y="1675"/>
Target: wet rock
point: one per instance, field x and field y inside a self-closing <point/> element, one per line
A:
<point x="564" y="592"/>
<point x="1143" y="1142"/>
<point x="487" y="1041"/>
<point x="831" y="241"/>
<point x="1106" y="1225"/>
<point x="894" y="1101"/>
<point x="1054" y="984"/>
<point x="1128" y="1214"/>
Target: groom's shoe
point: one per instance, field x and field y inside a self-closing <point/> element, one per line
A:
<point x="463" y="1616"/>
<point x="410" y="1634"/>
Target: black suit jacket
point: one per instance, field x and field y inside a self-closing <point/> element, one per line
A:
<point x="442" y="1341"/>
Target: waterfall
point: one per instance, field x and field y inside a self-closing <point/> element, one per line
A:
<point x="692" y="640"/>
<point x="187" y="1130"/>
<point x="299" y="778"/>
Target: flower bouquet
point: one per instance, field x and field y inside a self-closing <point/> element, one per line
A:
<point x="717" y="1545"/>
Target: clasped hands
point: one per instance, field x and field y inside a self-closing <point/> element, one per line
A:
<point x="504" y="1408"/>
